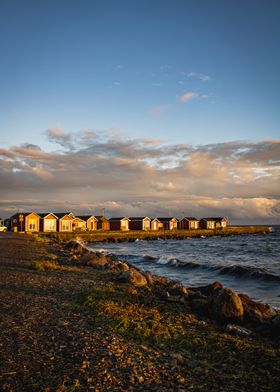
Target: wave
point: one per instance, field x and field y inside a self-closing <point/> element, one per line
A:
<point x="233" y="269"/>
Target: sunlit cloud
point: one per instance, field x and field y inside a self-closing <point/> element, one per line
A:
<point x="188" y="96"/>
<point x="97" y="169"/>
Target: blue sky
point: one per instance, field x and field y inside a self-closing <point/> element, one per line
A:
<point x="141" y="107"/>
<point x="124" y="64"/>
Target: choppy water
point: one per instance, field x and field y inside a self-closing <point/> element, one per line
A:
<point x="249" y="264"/>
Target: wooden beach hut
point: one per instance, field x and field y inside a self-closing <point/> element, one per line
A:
<point x="25" y="221"/>
<point x="102" y="222"/>
<point x="48" y="222"/>
<point x="119" y="223"/>
<point x="169" y="223"/>
<point x="156" y="224"/>
<point x="140" y="223"/>
<point x="64" y="221"/>
<point x="189" y="223"/>
<point x="90" y="220"/>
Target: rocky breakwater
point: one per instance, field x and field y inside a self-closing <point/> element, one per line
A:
<point x="236" y="313"/>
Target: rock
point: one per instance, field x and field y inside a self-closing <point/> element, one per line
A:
<point x="134" y="277"/>
<point x="209" y="289"/>
<point x="178" y="290"/>
<point x="118" y="266"/>
<point x="255" y="312"/>
<point x="149" y="278"/>
<point x="226" y="305"/>
<point x="197" y="295"/>
<point x="96" y="260"/>
<point x="173" y="298"/>
<point x="76" y="247"/>
<point x="237" y="330"/>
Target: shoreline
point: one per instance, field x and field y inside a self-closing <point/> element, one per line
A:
<point x="123" y="236"/>
<point x="79" y="320"/>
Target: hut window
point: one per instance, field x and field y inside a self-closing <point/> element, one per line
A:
<point x="66" y="226"/>
<point x="32" y="224"/>
<point x="50" y="224"/>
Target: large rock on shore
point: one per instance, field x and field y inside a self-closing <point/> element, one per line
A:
<point x="255" y="311"/>
<point x="226" y="305"/>
<point x="134" y="277"/>
<point x="75" y="247"/>
<point x="97" y="260"/>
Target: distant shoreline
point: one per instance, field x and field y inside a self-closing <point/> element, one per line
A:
<point x="131" y="235"/>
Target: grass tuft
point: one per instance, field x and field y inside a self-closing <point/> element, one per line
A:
<point x="45" y="265"/>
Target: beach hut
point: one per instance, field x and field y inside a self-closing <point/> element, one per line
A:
<point x="156" y="224"/>
<point x="189" y="223"/>
<point x="25" y="221"/>
<point x="213" y="223"/>
<point x="91" y="221"/>
<point x="79" y="224"/>
<point x="119" y="223"/>
<point x="140" y="223"/>
<point x="169" y="223"/>
<point x="102" y="222"/>
<point x="48" y="222"/>
<point x="207" y="223"/>
<point x="64" y="221"/>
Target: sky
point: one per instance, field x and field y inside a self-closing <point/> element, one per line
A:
<point x="141" y="107"/>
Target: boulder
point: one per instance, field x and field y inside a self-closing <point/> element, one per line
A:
<point x="118" y="266"/>
<point x="134" y="277"/>
<point x="76" y="247"/>
<point x="209" y="289"/>
<point x="96" y="260"/>
<point x="178" y="290"/>
<point x="255" y="311"/>
<point x="226" y="305"/>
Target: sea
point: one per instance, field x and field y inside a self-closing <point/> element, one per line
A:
<point x="248" y="264"/>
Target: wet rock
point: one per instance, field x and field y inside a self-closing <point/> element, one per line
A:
<point x="76" y="247"/>
<point x="197" y="295"/>
<point x="226" y="305"/>
<point x="96" y="260"/>
<point x="173" y="298"/>
<point x="149" y="278"/>
<point x="210" y="289"/>
<point x="237" y="330"/>
<point x="134" y="277"/>
<point x="178" y="290"/>
<point x="255" y="312"/>
<point x="118" y="266"/>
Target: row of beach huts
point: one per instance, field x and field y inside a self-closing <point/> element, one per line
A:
<point x="69" y="222"/>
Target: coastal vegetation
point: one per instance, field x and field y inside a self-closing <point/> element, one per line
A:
<point x="119" y="236"/>
<point x="85" y="322"/>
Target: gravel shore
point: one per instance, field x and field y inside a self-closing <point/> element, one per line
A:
<point x="63" y="330"/>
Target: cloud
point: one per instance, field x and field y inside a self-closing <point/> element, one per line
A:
<point x="144" y="176"/>
<point x="158" y="110"/>
<point x="188" y="96"/>
<point x="200" y="76"/>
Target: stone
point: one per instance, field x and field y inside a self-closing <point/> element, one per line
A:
<point x="226" y="305"/>
<point x="118" y="266"/>
<point x="76" y="247"/>
<point x="255" y="311"/>
<point x="178" y="290"/>
<point x="209" y="289"/>
<point x="237" y="330"/>
<point x="96" y="260"/>
<point x="134" y="277"/>
<point x="149" y="278"/>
